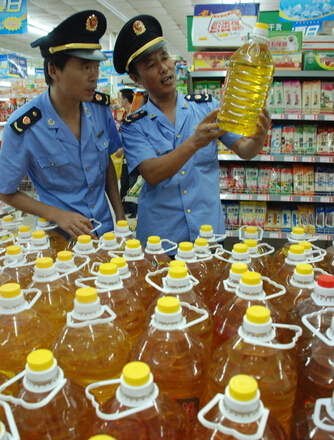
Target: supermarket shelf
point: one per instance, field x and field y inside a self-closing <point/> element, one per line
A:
<point x="3" y="123"/>
<point x="283" y="74"/>
<point x="279" y="158"/>
<point x="302" y="117"/>
<point x="284" y="235"/>
<point x="276" y="198"/>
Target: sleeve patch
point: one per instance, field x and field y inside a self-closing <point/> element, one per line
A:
<point x="101" y="98"/>
<point x="134" y="117"/>
<point x="204" y="97"/>
<point x="27" y="120"/>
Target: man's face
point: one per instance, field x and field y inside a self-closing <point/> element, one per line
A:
<point x="78" y="79"/>
<point x="156" y="73"/>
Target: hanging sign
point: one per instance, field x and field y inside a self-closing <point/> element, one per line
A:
<point x="13" y="17"/>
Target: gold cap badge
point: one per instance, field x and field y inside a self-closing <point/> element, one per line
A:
<point x="92" y="23"/>
<point x="139" y="27"/>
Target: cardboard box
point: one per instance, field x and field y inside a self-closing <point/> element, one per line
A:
<point x="327" y="97"/>
<point x="318" y="42"/>
<point x="318" y="60"/>
<point x="212" y="60"/>
<point x="286" y="49"/>
<point x="223" y="25"/>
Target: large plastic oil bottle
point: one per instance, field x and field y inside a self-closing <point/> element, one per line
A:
<point x="328" y="262"/>
<point x="250" y="232"/>
<point x="71" y="267"/>
<point x="40" y="243"/>
<point x="296" y="255"/>
<point x="238" y="414"/>
<point x="261" y="255"/>
<point x="315" y="422"/>
<point x="129" y="282"/>
<point x="56" y="240"/>
<point x="10" y="225"/>
<point x="316" y="362"/>
<point x="24" y="235"/>
<point x="108" y="245"/>
<point x="17" y="266"/>
<point x="247" y="84"/>
<point x="49" y="406"/>
<point x="177" y="357"/>
<point x="255" y="351"/>
<point x="249" y="292"/>
<point x="139" y="410"/>
<point x="86" y="246"/>
<point x="106" y="346"/>
<point x="156" y="254"/>
<point x="130" y="312"/>
<point x="123" y="233"/>
<point x="226" y="291"/>
<point x="56" y="299"/>
<point x="12" y="433"/>
<point x="214" y="240"/>
<point x="179" y="284"/>
<point x="22" y="329"/>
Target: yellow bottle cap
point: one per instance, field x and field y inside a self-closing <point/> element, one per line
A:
<point x="251" y="278"/>
<point x="296" y="249"/>
<point x="44" y="262"/>
<point x="10" y="290"/>
<point x="186" y="246"/>
<point x="8" y="218"/>
<point x="136" y="373"/>
<point x="304" y="269"/>
<point x="177" y="272"/>
<point x="64" y="255"/>
<point x="206" y="228"/>
<point x="239" y="268"/>
<point x="38" y="234"/>
<point x="119" y="261"/>
<point x="168" y="304"/>
<point x="250" y="242"/>
<point x="122" y="223"/>
<point x="42" y="220"/>
<point x="262" y="25"/>
<point x="240" y="248"/>
<point x="13" y="250"/>
<point x="133" y="244"/>
<point x="102" y="437"/>
<point x="154" y="239"/>
<point x="40" y="360"/>
<point x="109" y="236"/>
<point x="251" y="229"/>
<point x="306" y="245"/>
<point x="24" y="228"/>
<point x="258" y="314"/>
<point x="201" y="242"/>
<point x="108" y="269"/>
<point x="177" y="263"/>
<point x="243" y="387"/>
<point x="84" y="239"/>
<point x="86" y="295"/>
<point x="298" y="231"/>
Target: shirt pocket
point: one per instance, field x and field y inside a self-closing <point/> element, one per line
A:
<point x="55" y="171"/>
<point x="206" y="155"/>
<point x="102" y="145"/>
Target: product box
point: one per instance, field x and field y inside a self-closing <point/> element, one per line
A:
<point x="316" y="96"/>
<point x="287" y="96"/>
<point x="296" y="93"/>
<point x="214" y="88"/>
<point x="329" y="220"/>
<point x="308" y="180"/>
<point x="286" y="49"/>
<point x="327" y="97"/>
<point x="204" y="61"/>
<point x="310" y="140"/>
<point x="286" y="180"/>
<point x="298" y="183"/>
<point x="278" y="96"/>
<point x="276" y="140"/>
<point x="286" y="219"/>
<point x="223" y="25"/>
<point x="298" y="140"/>
<point x="318" y="42"/>
<point x="307" y="97"/>
<point x="320" y="177"/>
<point x="288" y="138"/>
<point x="318" y="60"/>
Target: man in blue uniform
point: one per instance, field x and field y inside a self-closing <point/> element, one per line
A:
<point x="171" y="140"/>
<point x="63" y="139"/>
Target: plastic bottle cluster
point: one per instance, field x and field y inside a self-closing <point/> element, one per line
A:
<point x="114" y="339"/>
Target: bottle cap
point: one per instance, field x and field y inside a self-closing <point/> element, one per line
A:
<point x="243" y="388"/>
<point x="251" y="229"/>
<point x="64" y="255"/>
<point x="177" y="263"/>
<point x="10" y="290"/>
<point x="306" y="245"/>
<point x="102" y="437"/>
<point x="239" y="268"/>
<point x="136" y="373"/>
<point x="119" y="261"/>
<point x="13" y="250"/>
<point x="8" y="218"/>
<point x="44" y="263"/>
<point x="24" y="228"/>
<point x="201" y="242"/>
<point x="168" y="304"/>
<point x="133" y="244"/>
<point x="206" y="228"/>
<point x="304" y="269"/>
<point x="186" y="246"/>
<point x="250" y="242"/>
<point x="108" y="269"/>
<point x="154" y="239"/>
<point x="297" y="233"/>
<point x="43" y="222"/>
<point x="296" y="249"/>
<point x="109" y="236"/>
<point x="258" y="314"/>
<point x="122" y="224"/>
<point x="251" y="278"/>
<point x="86" y="295"/>
<point x="84" y="239"/>
<point x="40" y="360"/>
<point x="177" y="272"/>
<point x="38" y="235"/>
<point x="326" y="281"/>
<point x="240" y="248"/>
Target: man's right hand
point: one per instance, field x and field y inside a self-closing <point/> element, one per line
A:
<point x="73" y="223"/>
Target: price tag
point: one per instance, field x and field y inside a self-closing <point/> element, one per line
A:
<point x="285" y="198"/>
<point x="309" y="117"/>
<point x="328" y="117"/>
<point x="306" y="199"/>
<point x="291" y="116"/>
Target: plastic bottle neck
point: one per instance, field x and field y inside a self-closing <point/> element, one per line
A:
<point x="136" y="396"/>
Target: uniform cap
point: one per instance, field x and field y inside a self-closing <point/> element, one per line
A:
<point x="140" y="36"/>
<point x="78" y="35"/>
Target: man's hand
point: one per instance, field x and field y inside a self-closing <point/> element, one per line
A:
<point x="74" y="224"/>
<point x="207" y="130"/>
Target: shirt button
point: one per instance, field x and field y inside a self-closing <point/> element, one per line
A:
<point x="188" y="211"/>
<point x="158" y="151"/>
<point x="178" y="136"/>
<point x="183" y="173"/>
<point x="93" y="206"/>
<point x="87" y="169"/>
<point x="185" y="192"/>
<point x="105" y="143"/>
<point x="53" y="164"/>
<point x="91" y="188"/>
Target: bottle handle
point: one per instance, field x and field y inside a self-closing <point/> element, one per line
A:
<point x="13" y="263"/>
<point x="35" y="298"/>
<point x="75" y="268"/>
<point x="10" y="237"/>
<point x="306" y="238"/>
<point x="257" y="340"/>
<point x="320" y="423"/>
<point x="218" y="400"/>
<point x="156" y="272"/>
<point x="14" y="433"/>
<point x="242" y="230"/>
<point x="228" y="288"/>
<point x="281" y="291"/>
<point x="70" y="316"/>
<point x="314" y="330"/>
<point x="93" y="270"/>
<point x="270" y="250"/>
<point x="204" y="314"/>
<point x="98" y="224"/>
<point x="172" y="248"/>
<point x="218" y="255"/>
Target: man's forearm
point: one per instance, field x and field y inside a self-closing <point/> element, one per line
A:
<point x="113" y="192"/>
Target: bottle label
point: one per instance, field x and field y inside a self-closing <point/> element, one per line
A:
<point x="191" y="406"/>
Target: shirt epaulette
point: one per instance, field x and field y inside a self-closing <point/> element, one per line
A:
<point x="134" y="117"/>
<point x="204" y="97"/>
<point x="26" y="120"/>
<point x="101" y="98"/>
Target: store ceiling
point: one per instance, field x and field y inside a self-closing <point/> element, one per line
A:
<point x="171" y="14"/>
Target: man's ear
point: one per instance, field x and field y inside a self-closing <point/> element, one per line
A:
<point x="134" y="78"/>
<point x="52" y="71"/>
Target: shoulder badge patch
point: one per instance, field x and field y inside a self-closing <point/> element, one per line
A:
<point x="204" y="97"/>
<point x="27" y="120"/>
<point x="134" y="117"/>
<point x="101" y="98"/>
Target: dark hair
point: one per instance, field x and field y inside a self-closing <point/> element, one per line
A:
<point x="127" y="94"/>
<point x="58" y="60"/>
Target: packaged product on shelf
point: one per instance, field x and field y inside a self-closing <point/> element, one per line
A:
<point x="232" y="215"/>
<point x="329" y="220"/>
<point x="200" y="87"/>
<point x="308" y="180"/>
<point x="260" y="214"/>
<point x="271" y="100"/>
<point x="306" y="97"/>
<point x="286" y="219"/>
<point x="251" y="178"/>
<point x="276" y="140"/>
<point x="278" y="96"/>
<point x="298" y="183"/>
<point x="294" y="212"/>
<point x="287" y="96"/>
<point x="275" y="180"/>
<point x="286" y="180"/>
<point x="303" y="217"/>
<point x="214" y="89"/>
<point x="267" y="142"/>
<point x="263" y="179"/>
<point x="274" y="219"/>
<point x="322" y="141"/>
<point x="296" y="93"/>
<point x="212" y="60"/>
<point x="327" y="97"/>
<point x="223" y="178"/>
<point x="320" y="177"/>
<point x="320" y="219"/>
<point x="330" y="182"/>
<point x="318" y="60"/>
<point x="298" y="140"/>
<point x="311" y="219"/>
<point x="310" y="139"/>
<point x="288" y="137"/>
<point x="316" y="96"/>
<point x="246" y="213"/>
<point x="237" y="178"/>
<point x="331" y="141"/>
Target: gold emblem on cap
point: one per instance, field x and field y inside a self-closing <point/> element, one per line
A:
<point x="139" y="27"/>
<point x="26" y="120"/>
<point x="92" y="23"/>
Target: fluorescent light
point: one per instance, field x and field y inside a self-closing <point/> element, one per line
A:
<point x="113" y="10"/>
<point x="5" y="84"/>
<point x="38" y="28"/>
